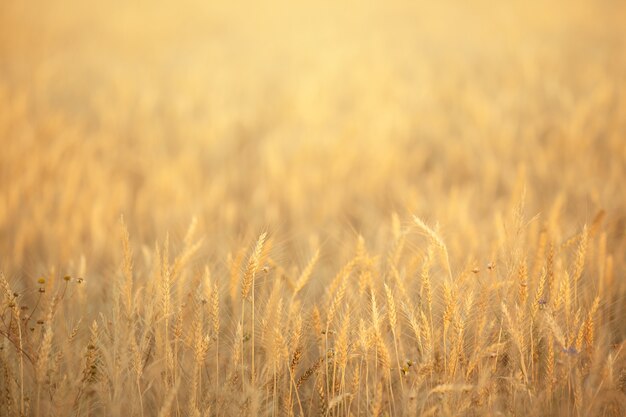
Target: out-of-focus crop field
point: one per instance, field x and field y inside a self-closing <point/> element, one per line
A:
<point x="351" y="208"/>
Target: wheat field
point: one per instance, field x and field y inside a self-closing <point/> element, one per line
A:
<point x="348" y="208"/>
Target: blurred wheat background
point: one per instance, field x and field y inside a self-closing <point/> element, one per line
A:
<point x="353" y="208"/>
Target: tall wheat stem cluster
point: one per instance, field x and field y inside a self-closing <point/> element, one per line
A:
<point x="355" y="352"/>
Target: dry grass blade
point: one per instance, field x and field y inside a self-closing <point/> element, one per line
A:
<point x="437" y="241"/>
<point x="305" y="275"/>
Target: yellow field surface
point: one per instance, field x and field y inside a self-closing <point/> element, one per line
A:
<point x="297" y="208"/>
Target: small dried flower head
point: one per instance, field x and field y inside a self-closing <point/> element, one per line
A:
<point x="41" y="280"/>
<point x="40" y="321"/>
<point x="67" y="278"/>
<point x="476" y="270"/>
<point x="42" y="290"/>
<point x="570" y="351"/>
<point x="80" y="280"/>
<point x="491" y="266"/>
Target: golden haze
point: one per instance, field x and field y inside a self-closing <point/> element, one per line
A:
<point x="312" y="208"/>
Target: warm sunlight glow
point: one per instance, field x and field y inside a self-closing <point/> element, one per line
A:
<point x="298" y="208"/>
